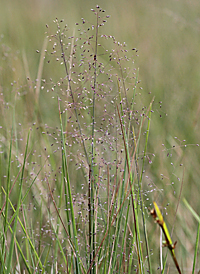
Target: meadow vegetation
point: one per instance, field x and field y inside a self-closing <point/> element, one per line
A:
<point x="99" y="119"/>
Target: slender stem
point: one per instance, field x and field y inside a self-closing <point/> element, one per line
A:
<point x="72" y="96"/>
<point x="92" y="223"/>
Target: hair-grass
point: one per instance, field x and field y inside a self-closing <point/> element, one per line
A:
<point x="124" y="197"/>
<point x="91" y="182"/>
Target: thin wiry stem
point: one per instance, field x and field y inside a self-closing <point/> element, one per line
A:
<point x="91" y="181"/>
<point x="72" y="96"/>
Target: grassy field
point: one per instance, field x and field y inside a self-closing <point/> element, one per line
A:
<point x="94" y="128"/>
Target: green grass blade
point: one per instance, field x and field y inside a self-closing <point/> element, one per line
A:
<point x="134" y="206"/>
<point x="195" y="215"/>
<point x="8" y="190"/>
<point x="20" y="250"/>
<point x="46" y="260"/>
<point x="196" y="248"/>
<point x="124" y="235"/>
<point x="25" y="232"/>
<point x="11" y="249"/>
<point x="120" y="223"/>
<point x="130" y="266"/>
<point x="67" y="183"/>
<point x="139" y="186"/>
<point x="3" y="267"/>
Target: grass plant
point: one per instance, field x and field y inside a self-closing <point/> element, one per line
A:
<point x="76" y="168"/>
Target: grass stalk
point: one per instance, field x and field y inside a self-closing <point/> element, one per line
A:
<point x="9" y="258"/>
<point x="25" y="232"/>
<point x="195" y="215"/>
<point x="134" y="207"/>
<point x="196" y="249"/>
<point x="7" y="201"/>
<point x="67" y="182"/>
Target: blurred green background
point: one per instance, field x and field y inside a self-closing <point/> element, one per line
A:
<point x="167" y="36"/>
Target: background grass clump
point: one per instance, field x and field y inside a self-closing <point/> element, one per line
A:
<point x="86" y="147"/>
